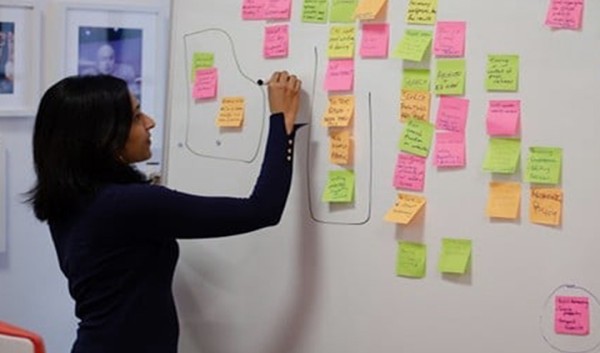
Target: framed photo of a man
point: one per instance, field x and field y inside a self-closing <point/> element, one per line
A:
<point x="19" y="58"/>
<point x="126" y="41"/>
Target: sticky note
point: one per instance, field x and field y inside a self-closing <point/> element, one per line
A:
<point x="450" y="77"/>
<point x="375" y="40"/>
<point x="421" y="12"/>
<point x="502" y="73"/>
<point x="340" y="111"/>
<point x="340" y="147"/>
<point x="409" y="173"/>
<point x="544" y="165"/>
<point x="405" y="209"/>
<point x="564" y="14"/>
<point x="278" y="9"/>
<point x="205" y="85"/>
<point x="413" y="45"/>
<point x="254" y="9"/>
<point x="314" y="11"/>
<point x="201" y="60"/>
<point x="415" y="79"/>
<point x="455" y="255"/>
<point x="276" y="41"/>
<point x="414" y="105"/>
<point x="416" y="137"/>
<point x="504" y="200"/>
<point x="572" y="315"/>
<point x="449" y="150"/>
<point x="342" y="11"/>
<point x="411" y="259"/>
<point x="449" y="39"/>
<point x="231" y="112"/>
<point x="502" y="155"/>
<point x="503" y="117"/>
<point x="369" y="9"/>
<point x="341" y="42"/>
<point x="340" y="187"/>
<point x="452" y="114"/>
<point x="545" y="206"/>
<point x="340" y="75"/>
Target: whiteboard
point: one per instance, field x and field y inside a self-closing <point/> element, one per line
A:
<point x="324" y="279"/>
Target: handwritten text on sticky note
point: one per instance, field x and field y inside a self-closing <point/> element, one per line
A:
<point x="409" y="173"/>
<point x="405" y="208"/>
<point x="452" y="114"/>
<point x="411" y="259"/>
<point x="449" y="39"/>
<point x="545" y="206"/>
<point x="572" y="315"/>
<point x="339" y="187"/>
<point x="231" y="112"/>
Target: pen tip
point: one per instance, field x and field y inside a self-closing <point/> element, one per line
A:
<point x="260" y="82"/>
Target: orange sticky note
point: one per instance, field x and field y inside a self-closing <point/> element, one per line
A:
<point x="340" y="147"/>
<point x="368" y="9"/>
<point x="405" y="208"/>
<point x="414" y="105"/>
<point x="504" y="199"/>
<point x="340" y="111"/>
<point x="231" y="112"/>
<point x="545" y="206"/>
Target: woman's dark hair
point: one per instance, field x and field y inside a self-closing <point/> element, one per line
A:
<point x="81" y="126"/>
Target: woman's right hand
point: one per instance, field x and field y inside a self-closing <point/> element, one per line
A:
<point x="284" y="97"/>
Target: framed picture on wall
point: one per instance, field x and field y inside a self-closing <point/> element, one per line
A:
<point x="124" y="41"/>
<point x="19" y="58"/>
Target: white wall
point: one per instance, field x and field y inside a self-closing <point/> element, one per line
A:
<point x="33" y="291"/>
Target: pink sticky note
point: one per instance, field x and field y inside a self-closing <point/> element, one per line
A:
<point x="205" y="85"/>
<point x="449" y="150"/>
<point x="254" y="9"/>
<point x="276" y="41"/>
<point x="375" y="40"/>
<point x="449" y="39"/>
<point x="452" y="114"/>
<point x="278" y="9"/>
<point x="340" y="75"/>
<point x="572" y="315"/>
<point x="503" y="117"/>
<point x="409" y="173"/>
<point x="564" y="14"/>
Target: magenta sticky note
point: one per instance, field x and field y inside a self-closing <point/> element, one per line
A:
<point x="452" y="114"/>
<point x="572" y="315"/>
<point x="564" y="14"/>
<point x="409" y="173"/>
<point x="254" y="9"/>
<point x="503" y="117"/>
<point x="205" y="85"/>
<point x="276" y="42"/>
<point x="375" y="40"/>
<point x="278" y="9"/>
<point x="449" y="40"/>
<point x="340" y="75"/>
<point x="449" y="150"/>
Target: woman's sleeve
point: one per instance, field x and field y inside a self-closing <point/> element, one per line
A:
<point x="182" y="215"/>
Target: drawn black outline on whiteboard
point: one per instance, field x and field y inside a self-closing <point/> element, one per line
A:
<point x="547" y="302"/>
<point x="244" y="75"/>
<point x="309" y="182"/>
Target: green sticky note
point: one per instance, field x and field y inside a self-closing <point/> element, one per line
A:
<point x="502" y="155"/>
<point x="314" y="11"/>
<point x="415" y="80"/>
<point x="411" y="260"/>
<point x="201" y="60"/>
<point x="342" y="11"/>
<point x="502" y="73"/>
<point x="450" y="77"/>
<point x="421" y="12"/>
<point x="413" y="45"/>
<point x="544" y="165"/>
<point x="416" y="137"/>
<point x="341" y="42"/>
<point x="455" y="255"/>
<point x="340" y="186"/>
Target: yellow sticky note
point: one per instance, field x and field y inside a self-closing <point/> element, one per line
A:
<point x="545" y="206"/>
<point x="340" y="111"/>
<point x="504" y="200"/>
<point x="502" y="155"/>
<point x="544" y="165"/>
<point x="368" y="9"/>
<point x="340" y="147"/>
<point x="231" y="112"/>
<point x="202" y="60"/>
<point x="502" y="73"/>
<point x="421" y="12"/>
<point x="405" y="208"/>
<point x="341" y="42"/>
<point x="411" y="259"/>
<point x="340" y="187"/>
<point x="455" y="255"/>
<point x="414" y="105"/>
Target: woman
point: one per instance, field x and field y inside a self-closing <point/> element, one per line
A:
<point x="114" y="233"/>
